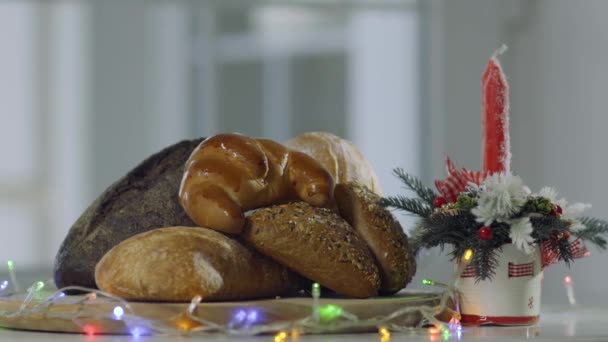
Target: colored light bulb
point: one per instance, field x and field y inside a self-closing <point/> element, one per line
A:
<point x="38" y="286"/>
<point x="468" y="255"/>
<point x="329" y="312"/>
<point x="118" y="312"/>
<point x="280" y="337"/>
<point x="252" y="316"/>
<point x="385" y="335"/>
<point x="136" y="332"/>
<point x="240" y="316"/>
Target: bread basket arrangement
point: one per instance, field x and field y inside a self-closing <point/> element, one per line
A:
<point x="236" y="235"/>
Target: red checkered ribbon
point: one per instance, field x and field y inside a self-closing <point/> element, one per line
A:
<point x="457" y="181"/>
<point x="468" y="272"/>
<point x="550" y="254"/>
<point x="521" y="270"/>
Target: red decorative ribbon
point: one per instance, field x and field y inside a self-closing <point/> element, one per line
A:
<point x="457" y="181"/>
<point x="468" y="272"/>
<point x="550" y="254"/>
<point x="475" y="320"/>
<point x="521" y="270"/>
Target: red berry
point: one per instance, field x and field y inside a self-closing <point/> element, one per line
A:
<point x="485" y="233"/>
<point x="439" y="201"/>
<point x="556" y="210"/>
<point x="565" y="235"/>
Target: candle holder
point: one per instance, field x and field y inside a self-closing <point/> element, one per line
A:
<point x="511" y="297"/>
<point x="513" y="233"/>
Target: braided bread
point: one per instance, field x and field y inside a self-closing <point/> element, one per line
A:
<point x="228" y="174"/>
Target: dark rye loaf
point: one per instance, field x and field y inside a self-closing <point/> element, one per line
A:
<point x="145" y="199"/>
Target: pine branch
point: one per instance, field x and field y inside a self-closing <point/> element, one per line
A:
<point x="424" y="192"/>
<point x="440" y="229"/>
<point x="412" y="205"/>
<point x="545" y="225"/>
<point x="595" y="231"/>
<point x="565" y="252"/>
<point x="485" y="262"/>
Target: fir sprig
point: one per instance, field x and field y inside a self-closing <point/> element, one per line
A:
<point x="565" y="252"/>
<point x="595" y="231"/>
<point x="412" y="183"/>
<point x="412" y="205"/>
<point x="485" y="261"/>
<point x="545" y="226"/>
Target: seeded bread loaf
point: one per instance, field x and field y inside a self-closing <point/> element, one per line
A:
<point x="382" y="232"/>
<point x="316" y="243"/>
<point x="179" y="263"/>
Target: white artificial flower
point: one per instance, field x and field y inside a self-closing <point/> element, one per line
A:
<point x="574" y="210"/>
<point x="501" y="197"/>
<point x="569" y="212"/>
<point x="549" y="193"/>
<point x="520" y="234"/>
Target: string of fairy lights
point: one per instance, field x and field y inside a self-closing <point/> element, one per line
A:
<point x="246" y="321"/>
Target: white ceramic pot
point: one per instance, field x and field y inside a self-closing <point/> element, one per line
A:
<point x="513" y="295"/>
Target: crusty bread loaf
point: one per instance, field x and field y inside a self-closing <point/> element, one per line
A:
<point x="142" y="200"/>
<point x="339" y="156"/>
<point x="316" y="243"/>
<point x="228" y="174"/>
<point x="382" y="232"/>
<point x="178" y="263"/>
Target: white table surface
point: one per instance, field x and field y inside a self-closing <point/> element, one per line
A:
<point x="556" y="323"/>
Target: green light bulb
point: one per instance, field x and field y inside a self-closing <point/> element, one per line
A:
<point x="329" y="312"/>
<point x="428" y="282"/>
<point x="38" y="286"/>
<point x="11" y="265"/>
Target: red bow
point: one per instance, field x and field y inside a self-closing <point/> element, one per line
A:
<point x="457" y="181"/>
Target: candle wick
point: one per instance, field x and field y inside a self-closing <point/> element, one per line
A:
<point x="500" y="50"/>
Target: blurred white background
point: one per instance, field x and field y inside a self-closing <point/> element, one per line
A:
<point x="89" y="89"/>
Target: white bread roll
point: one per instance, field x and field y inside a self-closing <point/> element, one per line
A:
<point x="339" y="156"/>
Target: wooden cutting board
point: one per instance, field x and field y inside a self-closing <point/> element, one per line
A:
<point x="97" y="314"/>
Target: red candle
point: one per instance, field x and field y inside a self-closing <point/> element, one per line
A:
<point x="495" y="120"/>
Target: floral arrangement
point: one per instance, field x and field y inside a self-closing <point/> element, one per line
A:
<point x="482" y="212"/>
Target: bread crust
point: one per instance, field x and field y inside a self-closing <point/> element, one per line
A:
<point x="382" y="232"/>
<point x="339" y="156"/>
<point x="178" y="263"/>
<point x="316" y="243"/>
